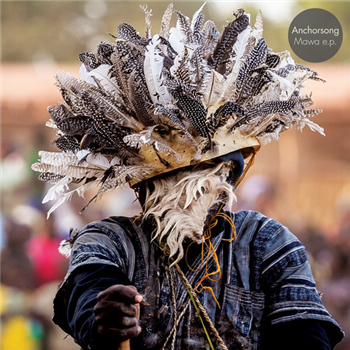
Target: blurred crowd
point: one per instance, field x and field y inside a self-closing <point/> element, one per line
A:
<point x="32" y="268"/>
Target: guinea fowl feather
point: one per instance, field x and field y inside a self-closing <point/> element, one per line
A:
<point x="196" y="25"/>
<point x="183" y="84"/>
<point x="210" y="36"/>
<point x="228" y="92"/>
<point x="138" y="102"/>
<point x="184" y="25"/>
<point x="246" y="81"/>
<point x="128" y="33"/>
<point x="104" y="53"/>
<point x="180" y="70"/>
<point x="165" y="23"/>
<point x="228" y="38"/>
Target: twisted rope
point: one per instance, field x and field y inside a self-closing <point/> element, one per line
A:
<point x="175" y="308"/>
<point x="201" y="308"/>
<point x="176" y="319"/>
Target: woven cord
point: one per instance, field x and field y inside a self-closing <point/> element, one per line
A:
<point x="177" y="322"/>
<point x="201" y="308"/>
<point x="176" y="319"/>
<point x="175" y="308"/>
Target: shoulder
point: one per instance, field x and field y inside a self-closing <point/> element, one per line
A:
<point x="272" y="246"/>
<point x="107" y="226"/>
<point x="115" y="228"/>
<point x="106" y="242"/>
<point x="108" y="234"/>
<point x="254" y="227"/>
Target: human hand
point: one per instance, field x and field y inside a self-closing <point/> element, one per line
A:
<point x="117" y="313"/>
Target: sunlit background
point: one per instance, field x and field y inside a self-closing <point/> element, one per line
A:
<point x="303" y="180"/>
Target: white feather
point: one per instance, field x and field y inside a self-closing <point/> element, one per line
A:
<point x="164" y="29"/>
<point x="212" y="89"/>
<point x="282" y="88"/>
<point x="65" y="248"/>
<point x="312" y="125"/>
<point x="258" y="25"/>
<point x="82" y="153"/>
<point x="67" y="164"/>
<point x="84" y="74"/>
<point x="177" y="39"/>
<point x="239" y="48"/>
<point x="284" y="84"/>
<point x="153" y="67"/>
<point x="285" y="59"/>
<point x="98" y="160"/>
<point x="195" y="16"/>
<point x="71" y="170"/>
<point x="51" y="124"/>
<point x="57" y="189"/>
<point x="57" y="158"/>
<point x="67" y="196"/>
<point x="59" y="202"/>
<point x="102" y="74"/>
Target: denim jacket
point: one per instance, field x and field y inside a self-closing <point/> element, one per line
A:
<point x="265" y="280"/>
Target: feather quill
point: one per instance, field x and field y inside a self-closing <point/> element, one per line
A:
<point x="148" y="15"/>
<point x="67" y="196"/>
<point x="165" y="24"/>
<point x="259" y="25"/>
<point x="186" y="81"/>
<point x="196" y="25"/>
<point x="239" y="48"/>
<point x="184" y="25"/>
<point x="177" y="39"/>
<point x="153" y="68"/>
<point x="102" y="73"/>
<point x="228" y="38"/>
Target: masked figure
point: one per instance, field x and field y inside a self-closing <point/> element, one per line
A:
<point x="180" y="116"/>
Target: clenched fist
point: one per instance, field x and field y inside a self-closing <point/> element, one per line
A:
<point x="117" y="314"/>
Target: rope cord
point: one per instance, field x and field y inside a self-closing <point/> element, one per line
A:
<point x="199" y="307"/>
<point x="177" y="323"/>
<point x="199" y="287"/>
<point x="175" y="308"/>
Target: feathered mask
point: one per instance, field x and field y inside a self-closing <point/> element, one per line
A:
<point x="148" y="105"/>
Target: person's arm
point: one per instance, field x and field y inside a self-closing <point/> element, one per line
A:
<point x="103" y="308"/>
<point x="294" y="314"/>
<point x="299" y="334"/>
<point x="97" y="263"/>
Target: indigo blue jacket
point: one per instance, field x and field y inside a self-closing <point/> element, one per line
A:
<point x="266" y="286"/>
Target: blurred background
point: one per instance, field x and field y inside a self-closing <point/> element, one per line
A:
<point x="303" y="180"/>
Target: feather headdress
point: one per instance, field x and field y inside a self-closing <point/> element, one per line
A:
<point x="144" y="106"/>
